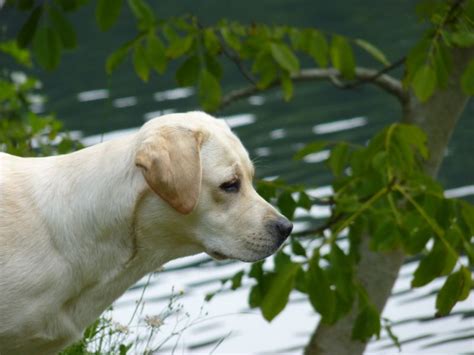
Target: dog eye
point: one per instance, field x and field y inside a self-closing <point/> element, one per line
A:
<point x="231" y="186"/>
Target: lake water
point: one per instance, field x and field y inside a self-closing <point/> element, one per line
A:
<point x="97" y="108"/>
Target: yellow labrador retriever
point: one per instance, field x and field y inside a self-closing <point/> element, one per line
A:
<point x="77" y="230"/>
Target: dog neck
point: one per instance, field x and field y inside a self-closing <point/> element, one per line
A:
<point x="92" y="213"/>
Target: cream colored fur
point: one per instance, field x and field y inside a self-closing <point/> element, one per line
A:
<point x="77" y="230"/>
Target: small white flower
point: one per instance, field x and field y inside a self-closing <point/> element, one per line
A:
<point x="153" y="321"/>
<point x="121" y="328"/>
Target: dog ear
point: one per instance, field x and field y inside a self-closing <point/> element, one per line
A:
<point x="171" y="164"/>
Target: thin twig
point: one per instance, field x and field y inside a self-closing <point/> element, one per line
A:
<point x="237" y="61"/>
<point x="381" y="72"/>
<point x="319" y="230"/>
<point x="363" y="75"/>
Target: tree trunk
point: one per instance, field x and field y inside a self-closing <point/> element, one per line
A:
<point x="379" y="271"/>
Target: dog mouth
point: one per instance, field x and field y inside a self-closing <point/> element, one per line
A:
<point x="218" y="256"/>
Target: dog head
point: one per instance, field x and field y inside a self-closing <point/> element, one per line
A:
<point x="201" y="170"/>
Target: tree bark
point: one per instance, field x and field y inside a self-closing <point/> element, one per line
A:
<point x="379" y="271"/>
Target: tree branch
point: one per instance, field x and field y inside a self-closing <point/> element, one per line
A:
<point x="364" y="75"/>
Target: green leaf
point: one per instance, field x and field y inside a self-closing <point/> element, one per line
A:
<point x="342" y="57"/>
<point x="414" y="136"/>
<point x="431" y="266"/>
<point x="265" y="66"/>
<point x="140" y="62"/>
<point x="278" y="292"/>
<point x="255" y="296"/>
<point x="443" y="64"/>
<point x="297" y="248"/>
<point x="256" y="271"/>
<point x="367" y="323"/>
<point x="285" y="58"/>
<point x="310" y="148"/>
<point x="373" y="51"/>
<point x="213" y="65"/>
<point x="47" y="47"/>
<point x="71" y="5"/>
<point x="287" y="204"/>
<point x="211" y="42"/>
<point x="304" y="201"/>
<point x="456" y="288"/>
<point x="117" y="57"/>
<point x="318" y="48"/>
<point x="321" y="296"/>
<point x="123" y="349"/>
<point x="414" y="240"/>
<point x="156" y="53"/>
<point x="236" y="280"/>
<point x="386" y="236"/>
<point x="462" y="39"/>
<point x="209" y="90"/>
<point x="63" y="27"/>
<point x="467" y="211"/>
<point x="25" y="4"/>
<point x="22" y="56"/>
<point x="231" y="38"/>
<point x="143" y="12"/>
<point x="424" y="82"/>
<point x="466" y="284"/>
<point x="179" y="46"/>
<point x="338" y="158"/>
<point x="28" y="30"/>
<point x="188" y="72"/>
<point x="467" y="79"/>
<point x="107" y="13"/>
<point x="287" y="87"/>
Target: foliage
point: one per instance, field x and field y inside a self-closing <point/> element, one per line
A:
<point x="380" y="192"/>
<point x="24" y="132"/>
<point x="143" y="334"/>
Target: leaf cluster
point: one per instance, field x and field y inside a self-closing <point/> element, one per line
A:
<point x="381" y="195"/>
<point x="430" y="62"/>
<point x="23" y="131"/>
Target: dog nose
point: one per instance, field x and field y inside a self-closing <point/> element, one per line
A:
<point x="283" y="228"/>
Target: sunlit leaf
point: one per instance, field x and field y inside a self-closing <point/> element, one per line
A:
<point x="116" y="58"/>
<point x="209" y="90"/>
<point x="338" y="158"/>
<point x="143" y="12"/>
<point x="156" y="53"/>
<point x="373" y="51"/>
<point x="424" y="82"/>
<point x="342" y="57"/>
<point x="285" y="57"/>
<point x="140" y="62"/>
<point x="22" y="56"/>
<point x="179" y="47"/>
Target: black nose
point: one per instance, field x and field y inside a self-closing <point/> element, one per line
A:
<point x="283" y="228"/>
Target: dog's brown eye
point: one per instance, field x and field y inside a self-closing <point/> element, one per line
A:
<point x="231" y="186"/>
